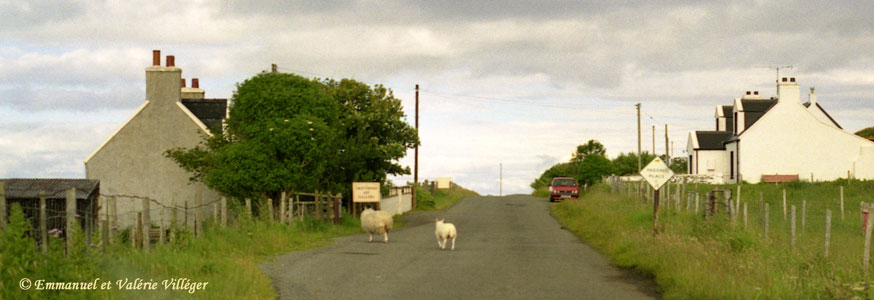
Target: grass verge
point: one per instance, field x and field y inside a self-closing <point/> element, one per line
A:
<point x="441" y="198"/>
<point x="720" y="258"/>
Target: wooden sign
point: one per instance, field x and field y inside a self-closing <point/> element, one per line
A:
<point x="365" y="192"/>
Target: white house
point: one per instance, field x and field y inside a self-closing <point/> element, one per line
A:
<point x="779" y="136"/>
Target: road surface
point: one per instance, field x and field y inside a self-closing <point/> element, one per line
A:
<point x="507" y="248"/>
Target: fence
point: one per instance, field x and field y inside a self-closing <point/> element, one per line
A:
<point x="59" y="217"/>
<point x="771" y="213"/>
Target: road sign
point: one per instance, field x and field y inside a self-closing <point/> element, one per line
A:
<point x="365" y="192"/>
<point x="656" y="173"/>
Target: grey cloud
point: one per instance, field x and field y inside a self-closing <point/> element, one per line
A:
<point x="15" y="15"/>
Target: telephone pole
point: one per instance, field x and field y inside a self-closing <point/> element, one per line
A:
<point x="667" y="153"/>
<point x="416" y="156"/>
<point x="639" y="154"/>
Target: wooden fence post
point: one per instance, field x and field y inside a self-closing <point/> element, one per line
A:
<point x="270" y="209"/>
<point x="282" y="208"/>
<point x="198" y="218"/>
<point x="828" y="228"/>
<point x="43" y="235"/>
<point x="2" y="205"/>
<point x="737" y="207"/>
<point x="185" y="215"/>
<point x="793" y="226"/>
<point x="745" y="216"/>
<point x="784" y="204"/>
<point x="139" y="233"/>
<point x="132" y="236"/>
<point x="842" y="203"/>
<point x="803" y="216"/>
<point x="147" y="225"/>
<point x="696" y="203"/>
<point x="867" y="255"/>
<point x="767" y="220"/>
<point x="71" y="218"/>
<point x="104" y="229"/>
<point x="249" y="206"/>
<point x="318" y="206"/>
<point x="106" y="214"/>
<point x="224" y="212"/>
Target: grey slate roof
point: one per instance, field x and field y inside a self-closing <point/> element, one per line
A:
<point x="210" y="111"/>
<point x="712" y="140"/>
<point x="755" y="109"/>
<point x="55" y="188"/>
<point x="728" y="112"/>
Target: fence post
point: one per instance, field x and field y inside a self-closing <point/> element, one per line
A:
<point x="696" y="203"/>
<point x="71" y="218"/>
<point x="132" y="236"/>
<point x="336" y="199"/>
<point x="249" y="206"/>
<point x="842" y="203"/>
<point x="867" y="255"/>
<point x="318" y="206"/>
<point x="140" y="234"/>
<point x="767" y="220"/>
<point x="160" y="234"/>
<point x="147" y="224"/>
<point x="793" y="226"/>
<point x="270" y="209"/>
<point x="43" y="235"/>
<point x="215" y="211"/>
<point x="2" y="205"/>
<point x="737" y="205"/>
<point x="185" y="215"/>
<point x="828" y="229"/>
<point x="198" y="219"/>
<point x="745" y="216"/>
<point x="106" y="211"/>
<point x="803" y="216"/>
<point x="282" y="207"/>
<point x="224" y="215"/>
<point x="104" y="229"/>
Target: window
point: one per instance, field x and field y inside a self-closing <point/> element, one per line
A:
<point x="731" y="165"/>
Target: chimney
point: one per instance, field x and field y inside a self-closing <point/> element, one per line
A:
<point x="183" y="83"/>
<point x="751" y="95"/>
<point x="812" y="97"/>
<point x="194" y="92"/>
<point x="163" y="84"/>
<point x="788" y="91"/>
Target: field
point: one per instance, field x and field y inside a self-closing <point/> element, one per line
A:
<point x="726" y="258"/>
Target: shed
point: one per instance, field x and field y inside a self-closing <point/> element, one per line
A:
<point x="26" y="192"/>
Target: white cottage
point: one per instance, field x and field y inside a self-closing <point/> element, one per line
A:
<point x="758" y="137"/>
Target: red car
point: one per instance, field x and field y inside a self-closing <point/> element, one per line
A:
<point x="563" y="188"/>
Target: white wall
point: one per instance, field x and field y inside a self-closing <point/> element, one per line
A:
<point x="713" y="162"/>
<point x="397" y="204"/>
<point x="791" y="140"/>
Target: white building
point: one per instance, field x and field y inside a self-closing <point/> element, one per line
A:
<point x="756" y="138"/>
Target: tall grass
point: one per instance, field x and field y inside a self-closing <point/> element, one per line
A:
<point x="694" y="258"/>
<point x="440" y="198"/>
<point x="227" y="258"/>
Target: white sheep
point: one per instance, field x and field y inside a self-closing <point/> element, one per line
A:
<point x="445" y="231"/>
<point x="376" y="222"/>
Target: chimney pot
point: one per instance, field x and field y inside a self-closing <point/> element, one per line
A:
<point x="195" y="83"/>
<point x="784" y="79"/>
<point x="183" y="82"/>
<point x="748" y="93"/>
<point x="791" y="79"/>
<point x="171" y="61"/>
<point x="755" y="92"/>
<point x="156" y="57"/>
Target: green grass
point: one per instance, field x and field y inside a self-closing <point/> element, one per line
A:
<point x="694" y="258"/>
<point x="227" y="258"/>
<point x="440" y="199"/>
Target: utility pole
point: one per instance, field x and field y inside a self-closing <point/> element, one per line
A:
<point x="501" y="180"/>
<point x="667" y="154"/>
<point x="416" y="156"/>
<point x="639" y="154"/>
<point x="653" y="140"/>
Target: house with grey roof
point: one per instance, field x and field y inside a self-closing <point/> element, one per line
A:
<point x="760" y="139"/>
<point x="131" y="165"/>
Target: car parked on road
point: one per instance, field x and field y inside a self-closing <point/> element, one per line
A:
<point x="563" y="188"/>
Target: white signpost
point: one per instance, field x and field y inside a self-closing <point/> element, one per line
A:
<point x="656" y="173"/>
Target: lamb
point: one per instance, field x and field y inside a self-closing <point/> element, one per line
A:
<point x="445" y="231"/>
<point x="376" y="222"/>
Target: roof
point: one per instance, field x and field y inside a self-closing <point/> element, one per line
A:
<point x="55" y="188"/>
<point x="807" y="104"/>
<point x="728" y="111"/>
<point x="755" y="109"/>
<point x="210" y="111"/>
<point x="712" y="140"/>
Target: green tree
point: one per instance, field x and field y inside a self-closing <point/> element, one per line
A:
<point x="593" y="167"/>
<point x="590" y="147"/>
<point x="281" y="136"/>
<point x="626" y="163"/>
<point x="374" y="133"/>
<point x="567" y="169"/>
<point x="866" y="133"/>
<point x="679" y="165"/>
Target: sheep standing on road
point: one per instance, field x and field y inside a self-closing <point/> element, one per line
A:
<point x="445" y="231"/>
<point x="376" y="222"/>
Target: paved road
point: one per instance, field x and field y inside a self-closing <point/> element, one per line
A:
<point x="507" y="248"/>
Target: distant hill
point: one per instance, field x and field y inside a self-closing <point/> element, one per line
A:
<point x="867" y="133"/>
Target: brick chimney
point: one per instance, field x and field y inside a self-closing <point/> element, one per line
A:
<point x="163" y="83"/>
<point x="194" y="92"/>
<point x="788" y="91"/>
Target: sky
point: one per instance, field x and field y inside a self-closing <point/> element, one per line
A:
<point x="507" y="88"/>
